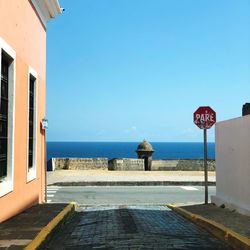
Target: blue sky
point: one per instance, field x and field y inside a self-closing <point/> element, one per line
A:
<point x="125" y="70"/>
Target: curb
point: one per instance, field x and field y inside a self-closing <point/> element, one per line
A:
<point x="44" y="233"/>
<point x="221" y="232"/>
<point x="133" y="183"/>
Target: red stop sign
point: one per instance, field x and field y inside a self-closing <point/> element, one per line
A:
<point x="204" y="117"/>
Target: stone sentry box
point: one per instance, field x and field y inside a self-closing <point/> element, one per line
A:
<point x="145" y="152"/>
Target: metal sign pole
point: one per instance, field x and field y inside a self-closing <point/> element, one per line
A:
<point x="205" y="165"/>
<point x="44" y="125"/>
<point x="205" y="118"/>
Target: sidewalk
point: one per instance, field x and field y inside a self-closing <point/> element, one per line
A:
<point x="29" y="228"/>
<point x="105" y="177"/>
<point x="227" y="225"/>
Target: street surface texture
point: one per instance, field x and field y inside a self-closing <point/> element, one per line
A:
<point x="118" y="195"/>
<point x="131" y="227"/>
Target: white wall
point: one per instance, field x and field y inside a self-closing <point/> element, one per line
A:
<point x="233" y="164"/>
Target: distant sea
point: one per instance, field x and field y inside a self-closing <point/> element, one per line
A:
<point x="163" y="150"/>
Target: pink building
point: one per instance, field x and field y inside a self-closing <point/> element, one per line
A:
<point x="22" y="102"/>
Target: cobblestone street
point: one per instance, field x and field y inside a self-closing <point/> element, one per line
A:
<point x="131" y="227"/>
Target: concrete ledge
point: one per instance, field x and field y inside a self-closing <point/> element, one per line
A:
<point x="51" y="226"/>
<point x="221" y="232"/>
<point x="133" y="183"/>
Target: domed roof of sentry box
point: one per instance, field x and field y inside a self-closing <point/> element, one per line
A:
<point x="144" y="146"/>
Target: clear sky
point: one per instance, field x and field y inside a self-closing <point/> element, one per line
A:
<point x="125" y="70"/>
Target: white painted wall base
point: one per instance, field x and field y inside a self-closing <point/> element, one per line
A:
<point x="231" y="206"/>
<point x="233" y="164"/>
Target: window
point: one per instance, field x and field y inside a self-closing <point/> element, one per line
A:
<point x="32" y="124"/>
<point x="7" y="111"/>
<point x="4" y="116"/>
<point x="31" y="121"/>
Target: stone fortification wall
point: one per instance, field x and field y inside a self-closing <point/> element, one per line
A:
<point x="124" y="164"/>
<point x="79" y="163"/>
<point x="127" y="164"/>
<point x="182" y="165"/>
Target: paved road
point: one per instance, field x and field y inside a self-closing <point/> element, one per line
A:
<point x="118" y="195"/>
<point x="131" y="227"/>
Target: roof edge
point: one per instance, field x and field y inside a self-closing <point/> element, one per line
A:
<point x="47" y="9"/>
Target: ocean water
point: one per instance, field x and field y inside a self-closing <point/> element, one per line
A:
<point x="163" y="150"/>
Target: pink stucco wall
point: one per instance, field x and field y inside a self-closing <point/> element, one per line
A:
<point x="21" y="28"/>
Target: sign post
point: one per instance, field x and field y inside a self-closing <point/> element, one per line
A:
<point x="44" y="127"/>
<point x="205" y="165"/>
<point x="205" y="118"/>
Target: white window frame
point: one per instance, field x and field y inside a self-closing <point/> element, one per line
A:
<point x="32" y="172"/>
<point x="7" y="183"/>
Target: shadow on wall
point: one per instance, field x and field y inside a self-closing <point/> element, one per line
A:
<point x="8" y="213"/>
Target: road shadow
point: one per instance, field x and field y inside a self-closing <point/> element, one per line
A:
<point x="133" y="227"/>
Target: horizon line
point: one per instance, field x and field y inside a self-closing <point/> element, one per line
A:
<point x="136" y="141"/>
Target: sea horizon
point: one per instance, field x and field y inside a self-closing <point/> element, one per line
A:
<point x="139" y="141"/>
<point x="115" y="149"/>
